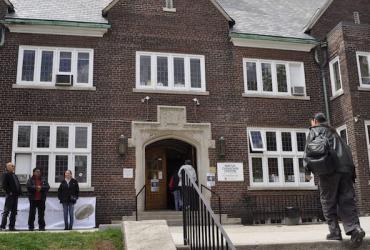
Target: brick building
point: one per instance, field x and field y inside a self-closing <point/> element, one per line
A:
<point x="214" y="81"/>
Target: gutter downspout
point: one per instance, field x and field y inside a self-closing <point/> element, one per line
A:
<point x="321" y="58"/>
<point x="2" y="36"/>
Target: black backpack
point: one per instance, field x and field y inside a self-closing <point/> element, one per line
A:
<point x="319" y="157"/>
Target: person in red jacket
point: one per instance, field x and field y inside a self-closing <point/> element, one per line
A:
<point x="37" y="190"/>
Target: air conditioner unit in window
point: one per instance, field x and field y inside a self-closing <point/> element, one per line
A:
<point x="64" y="80"/>
<point x="298" y="91"/>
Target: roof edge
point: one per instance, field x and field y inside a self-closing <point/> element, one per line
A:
<point x="316" y="16"/>
<point x="55" y="23"/>
<point x="273" y="38"/>
<point x="108" y="7"/>
<point x="10" y="5"/>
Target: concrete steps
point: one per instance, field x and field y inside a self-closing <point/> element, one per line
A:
<point x="173" y="218"/>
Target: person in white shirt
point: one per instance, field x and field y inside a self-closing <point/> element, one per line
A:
<point x="191" y="171"/>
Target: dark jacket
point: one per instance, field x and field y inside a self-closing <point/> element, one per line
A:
<point x="31" y="187"/>
<point x="340" y="151"/>
<point x="68" y="193"/>
<point x="11" y="184"/>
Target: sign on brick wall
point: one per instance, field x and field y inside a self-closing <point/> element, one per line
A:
<point x="230" y="171"/>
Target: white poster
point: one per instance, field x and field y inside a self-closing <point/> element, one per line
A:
<point x="84" y="213"/>
<point x="211" y="179"/>
<point x="230" y="171"/>
<point x="128" y="173"/>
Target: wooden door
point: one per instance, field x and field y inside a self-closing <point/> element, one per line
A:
<point x="156" y="179"/>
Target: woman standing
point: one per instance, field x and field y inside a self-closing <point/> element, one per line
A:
<point x="68" y="194"/>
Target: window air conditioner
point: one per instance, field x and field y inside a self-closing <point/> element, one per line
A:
<point x="298" y="91"/>
<point x="64" y="80"/>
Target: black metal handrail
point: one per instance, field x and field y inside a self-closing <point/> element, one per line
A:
<point x="218" y="196"/>
<point x="202" y="230"/>
<point x="136" y="210"/>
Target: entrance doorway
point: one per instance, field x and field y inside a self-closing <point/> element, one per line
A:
<point x="163" y="159"/>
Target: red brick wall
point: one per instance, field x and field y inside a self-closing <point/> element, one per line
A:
<point x="339" y="11"/>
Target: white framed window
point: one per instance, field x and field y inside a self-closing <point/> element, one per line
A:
<point x="169" y="4"/>
<point x="172" y="72"/>
<point x="53" y="147"/>
<point x="335" y="76"/>
<point x="39" y="66"/>
<point x="342" y="132"/>
<point x="280" y="163"/>
<point x="269" y="77"/>
<point x="363" y="66"/>
<point x="367" y="131"/>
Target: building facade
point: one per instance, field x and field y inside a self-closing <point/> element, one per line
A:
<point x="216" y="82"/>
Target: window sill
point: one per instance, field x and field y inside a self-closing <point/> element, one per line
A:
<point x="361" y="88"/>
<point x="18" y="86"/>
<point x="169" y="9"/>
<point x="82" y="189"/>
<point x="339" y="93"/>
<point x="175" y="92"/>
<point x="282" y="188"/>
<point x="306" y="98"/>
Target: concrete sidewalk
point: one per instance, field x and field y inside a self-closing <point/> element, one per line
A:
<point x="283" y="237"/>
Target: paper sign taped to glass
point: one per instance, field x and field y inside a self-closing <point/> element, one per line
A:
<point x="154" y="185"/>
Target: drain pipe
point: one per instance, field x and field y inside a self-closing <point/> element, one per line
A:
<point x="2" y="36"/>
<point x="321" y="58"/>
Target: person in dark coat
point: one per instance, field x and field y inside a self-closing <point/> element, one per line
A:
<point x="38" y="188"/>
<point x="13" y="190"/>
<point x="337" y="193"/>
<point x="68" y="192"/>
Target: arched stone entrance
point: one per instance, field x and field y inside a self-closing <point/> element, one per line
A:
<point x="171" y="124"/>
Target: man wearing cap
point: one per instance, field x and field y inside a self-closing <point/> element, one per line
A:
<point x="337" y="193"/>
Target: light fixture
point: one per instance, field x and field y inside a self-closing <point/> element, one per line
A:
<point x="196" y="101"/>
<point x="122" y="145"/>
<point x="356" y="118"/>
<point x="221" y="147"/>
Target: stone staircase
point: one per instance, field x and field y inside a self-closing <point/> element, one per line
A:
<point x="173" y="218"/>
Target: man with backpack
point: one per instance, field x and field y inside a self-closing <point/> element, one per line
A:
<point x="330" y="158"/>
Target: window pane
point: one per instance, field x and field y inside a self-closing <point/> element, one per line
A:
<point x="368" y="132"/>
<point x="281" y="78"/>
<point x="145" y="71"/>
<point x="81" y="137"/>
<point x="364" y="68"/>
<point x="271" y="141"/>
<point x="42" y="162"/>
<point x="179" y="72"/>
<point x="288" y="170"/>
<point x="301" y="141"/>
<point x="195" y="73"/>
<point x="169" y="4"/>
<point x="24" y="133"/>
<point x="65" y="61"/>
<point x="286" y="141"/>
<point x="28" y="65"/>
<point x="46" y="74"/>
<point x="83" y="67"/>
<point x="62" y="137"/>
<point x="251" y="76"/>
<point x="337" y="83"/>
<point x="343" y="134"/>
<point x="273" y="168"/>
<point x="256" y="139"/>
<point x="162" y="71"/>
<point x="257" y="170"/>
<point x="43" y="136"/>
<point x="302" y="172"/>
<point x="61" y="165"/>
<point x="81" y="168"/>
<point x="266" y="76"/>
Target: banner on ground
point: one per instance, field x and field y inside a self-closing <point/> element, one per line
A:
<point x="84" y="213"/>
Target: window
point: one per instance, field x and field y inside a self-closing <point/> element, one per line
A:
<point x="363" y="68"/>
<point x="54" y="148"/>
<point x="169" y="4"/>
<point x="342" y="132"/>
<point x="172" y="72"/>
<point x="40" y="65"/>
<point x="367" y="131"/>
<point x="273" y="77"/>
<point x="335" y="77"/>
<point x="280" y="163"/>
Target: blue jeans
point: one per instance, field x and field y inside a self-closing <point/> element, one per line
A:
<point x="178" y="200"/>
<point x="68" y="208"/>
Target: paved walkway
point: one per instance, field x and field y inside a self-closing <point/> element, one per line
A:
<point x="276" y="234"/>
